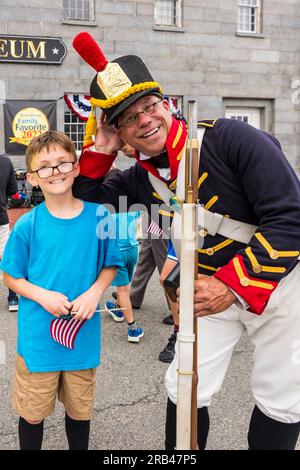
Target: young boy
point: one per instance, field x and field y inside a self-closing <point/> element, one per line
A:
<point x="60" y="258"/>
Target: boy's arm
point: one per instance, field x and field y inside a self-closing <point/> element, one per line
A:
<point x="54" y="302"/>
<point x="86" y="304"/>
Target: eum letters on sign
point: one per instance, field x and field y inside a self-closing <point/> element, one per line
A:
<point x="20" y="48"/>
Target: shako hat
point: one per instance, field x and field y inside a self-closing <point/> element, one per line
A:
<point x="117" y="84"/>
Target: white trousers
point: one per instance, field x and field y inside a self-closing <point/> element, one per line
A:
<point x="275" y="334"/>
<point x="4" y="234"/>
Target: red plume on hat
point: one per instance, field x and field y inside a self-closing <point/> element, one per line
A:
<point x="89" y="50"/>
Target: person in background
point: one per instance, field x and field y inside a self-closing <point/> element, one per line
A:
<point x="167" y="355"/>
<point x="8" y="187"/>
<point x="128" y="151"/>
<point x="128" y="244"/>
<point x="152" y="255"/>
<point x="126" y="234"/>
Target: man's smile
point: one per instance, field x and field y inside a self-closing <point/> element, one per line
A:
<point x="150" y="133"/>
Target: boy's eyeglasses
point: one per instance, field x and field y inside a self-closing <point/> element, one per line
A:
<point x="47" y="171"/>
<point x="131" y="119"/>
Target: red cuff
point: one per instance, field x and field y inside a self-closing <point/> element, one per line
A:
<point x="256" y="292"/>
<point x="95" y="165"/>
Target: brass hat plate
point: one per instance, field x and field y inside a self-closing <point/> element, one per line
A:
<point x="113" y="81"/>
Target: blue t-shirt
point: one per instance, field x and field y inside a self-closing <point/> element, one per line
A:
<point x="63" y="255"/>
<point x="126" y="229"/>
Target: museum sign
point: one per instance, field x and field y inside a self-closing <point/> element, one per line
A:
<point x="33" y="50"/>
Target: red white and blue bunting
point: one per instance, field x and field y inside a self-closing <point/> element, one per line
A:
<point x="79" y="104"/>
<point x="175" y="103"/>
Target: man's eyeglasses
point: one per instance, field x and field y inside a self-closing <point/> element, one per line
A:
<point x="131" y="119"/>
<point x="47" y="171"/>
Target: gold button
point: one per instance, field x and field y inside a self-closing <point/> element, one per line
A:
<point x="210" y="251"/>
<point x="244" y="281"/>
<point x="203" y="232"/>
<point x="274" y="254"/>
<point x="257" y="268"/>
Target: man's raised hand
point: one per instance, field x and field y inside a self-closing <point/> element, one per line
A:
<point x="107" y="138"/>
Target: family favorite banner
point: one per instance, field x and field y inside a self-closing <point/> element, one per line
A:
<point x="24" y="120"/>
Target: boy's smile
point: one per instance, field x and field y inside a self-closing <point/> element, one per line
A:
<point x="57" y="181"/>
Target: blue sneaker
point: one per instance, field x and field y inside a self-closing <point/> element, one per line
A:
<point x="117" y="315"/>
<point x="13" y="305"/>
<point x="135" y="333"/>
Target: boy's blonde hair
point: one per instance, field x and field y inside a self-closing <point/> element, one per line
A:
<point x="46" y="140"/>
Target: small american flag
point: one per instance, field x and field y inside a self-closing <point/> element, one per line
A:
<point x="154" y="229"/>
<point x="65" y="331"/>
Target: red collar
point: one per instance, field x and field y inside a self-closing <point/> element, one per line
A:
<point x="174" y="145"/>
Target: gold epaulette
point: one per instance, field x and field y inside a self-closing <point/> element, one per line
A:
<point x="206" y="123"/>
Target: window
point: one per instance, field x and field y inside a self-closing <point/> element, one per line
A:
<point x="249" y="115"/>
<point x="79" y="10"/>
<point x="249" y="16"/>
<point x="257" y="112"/>
<point x="74" y="128"/>
<point x="168" y="13"/>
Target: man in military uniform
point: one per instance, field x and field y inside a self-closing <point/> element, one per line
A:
<point x="244" y="176"/>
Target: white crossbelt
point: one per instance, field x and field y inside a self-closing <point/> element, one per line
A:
<point x="212" y="222"/>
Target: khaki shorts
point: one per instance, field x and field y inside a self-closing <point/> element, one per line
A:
<point x="34" y="393"/>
